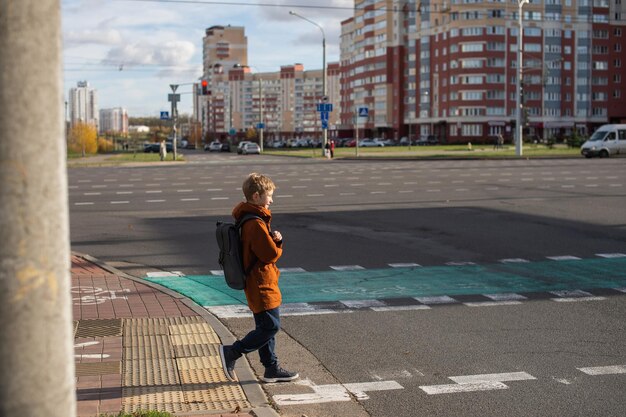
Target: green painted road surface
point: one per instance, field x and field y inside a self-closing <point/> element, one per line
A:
<point x="303" y="287"/>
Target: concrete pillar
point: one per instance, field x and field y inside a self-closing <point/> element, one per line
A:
<point x="36" y="334"/>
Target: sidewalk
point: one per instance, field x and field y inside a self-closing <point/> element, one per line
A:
<point x="140" y="347"/>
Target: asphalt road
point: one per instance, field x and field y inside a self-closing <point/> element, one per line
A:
<point x="372" y="214"/>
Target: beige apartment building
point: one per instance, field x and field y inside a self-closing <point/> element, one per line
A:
<point x="240" y="99"/>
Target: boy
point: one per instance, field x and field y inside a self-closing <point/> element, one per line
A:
<point x="261" y="250"/>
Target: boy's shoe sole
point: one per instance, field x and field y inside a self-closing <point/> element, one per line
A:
<point x="230" y="376"/>
<point x="281" y="379"/>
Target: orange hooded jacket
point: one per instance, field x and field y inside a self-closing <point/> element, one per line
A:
<point x="259" y="250"/>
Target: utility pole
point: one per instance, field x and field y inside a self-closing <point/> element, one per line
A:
<point x="36" y="332"/>
<point x="174" y="98"/>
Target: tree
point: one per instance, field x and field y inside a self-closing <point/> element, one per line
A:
<point x="251" y="133"/>
<point x="83" y="139"/>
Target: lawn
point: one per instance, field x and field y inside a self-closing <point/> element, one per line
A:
<point x="434" y="152"/>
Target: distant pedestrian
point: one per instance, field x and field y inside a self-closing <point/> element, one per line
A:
<point x="327" y="150"/>
<point x="500" y="140"/>
<point x="163" y="150"/>
<point x="262" y="248"/>
<point x="332" y="149"/>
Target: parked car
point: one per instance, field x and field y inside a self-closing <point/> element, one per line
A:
<point x="278" y="144"/>
<point x="225" y="147"/>
<point x="156" y="147"/>
<point x="214" y="146"/>
<point x="241" y="145"/>
<point x="251" y="148"/>
<point x="190" y="145"/>
<point x="388" y="142"/>
<point x="351" y="143"/>
<point x="300" y="143"/>
<point x="367" y="143"/>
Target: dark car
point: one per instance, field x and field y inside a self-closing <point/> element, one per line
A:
<point x="156" y="147"/>
<point x="225" y="147"/>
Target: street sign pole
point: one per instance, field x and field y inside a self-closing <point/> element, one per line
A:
<point x="174" y="98"/>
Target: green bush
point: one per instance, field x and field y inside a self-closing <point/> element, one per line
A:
<point x="575" y="140"/>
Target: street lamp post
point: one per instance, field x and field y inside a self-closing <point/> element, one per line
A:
<point x="324" y="130"/>
<point x="518" y="114"/>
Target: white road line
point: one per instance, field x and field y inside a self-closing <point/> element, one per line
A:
<point x="184" y="191"/>
<point x="189" y="199"/>
<point x="577" y="299"/>
<point x="124" y="192"/>
<point x="214" y="189"/>
<point x="513" y="260"/>
<point x="404" y="265"/>
<point x="501" y="377"/>
<point x="84" y="180"/>
<point x="359" y="389"/>
<point x="219" y="198"/>
<point x="153" y="191"/>
<point x="492" y="303"/>
<point x="346" y="267"/>
<point x="460" y="263"/>
<point x="92" y="193"/>
<point x="564" y="258"/>
<point x="442" y="299"/>
<point x="84" y="204"/>
<point x="362" y="303"/>
<point x="347" y="193"/>
<point x="284" y="196"/>
<point x="299" y="186"/>
<point x="291" y="270"/>
<point x="400" y="308"/>
<point x="155" y="201"/>
<point x="378" y="192"/>
<point x="331" y="185"/>
<point x="604" y="370"/>
<point x="120" y="202"/>
<point x="507" y="296"/>
<point x="315" y="195"/>
<point x="456" y="388"/>
<point x="126" y="185"/>
<point x="99" y="186"/>
<point x="571" y="293"/>
<point x="357" y="185"/>
<point x="433" y="191"/>
<point x="611" y="255"/>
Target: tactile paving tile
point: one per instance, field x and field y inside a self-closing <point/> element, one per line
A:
<point x="97" y="368"/>
<point x="150" y="372"/>
<point x="162" y="349"/>
<point x="225" y="396"/>
<point x="146" y="329"/>
<point x="191" y="328"/>
<point x="194" y="339"/>
<point x="202" y="376"/>
<point x="170" y="408"/>
<point x="99" y="328"/>
<point x="186" y="351"/>
<point x="203" y="362"/>
<point x="144" y="396"/>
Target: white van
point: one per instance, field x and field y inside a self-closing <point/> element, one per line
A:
<point x="607" y="140"/>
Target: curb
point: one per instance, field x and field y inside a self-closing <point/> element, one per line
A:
<point x="247" y="379"/>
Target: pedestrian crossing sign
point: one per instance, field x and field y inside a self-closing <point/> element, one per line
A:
<point x="363" y="111"/>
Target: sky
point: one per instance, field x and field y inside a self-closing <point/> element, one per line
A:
<point x="130" y="51"/>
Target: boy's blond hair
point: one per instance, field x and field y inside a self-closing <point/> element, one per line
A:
<point x="257" y="183"/>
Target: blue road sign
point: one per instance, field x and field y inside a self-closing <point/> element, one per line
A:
<point x="165" y="115"/>
<point x="363" y="112"/>
<point x="324" y="124"/>
<point x="260" y="125"/>
<point x="232" y="131"/>
<point x="324" y="107"/>
<point x="324" y="116"/>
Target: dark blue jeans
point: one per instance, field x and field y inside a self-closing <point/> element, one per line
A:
<point x="262" y="337"/>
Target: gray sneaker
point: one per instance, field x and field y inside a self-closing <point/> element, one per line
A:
<point x="278" y="374"/>
<point x="228" y="361"/>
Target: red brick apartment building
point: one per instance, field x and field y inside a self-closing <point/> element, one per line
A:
<point x="449" y="68"/>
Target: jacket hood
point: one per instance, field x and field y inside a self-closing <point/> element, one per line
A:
<point x="244" y="207"/>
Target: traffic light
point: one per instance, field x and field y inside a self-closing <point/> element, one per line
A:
<point x="205" y="88"/>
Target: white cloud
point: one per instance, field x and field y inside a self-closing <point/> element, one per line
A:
<point x="173" y="53"/>
<point x="101" y="37"/>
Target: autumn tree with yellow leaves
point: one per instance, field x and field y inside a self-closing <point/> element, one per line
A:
<point x="83" y="139"/>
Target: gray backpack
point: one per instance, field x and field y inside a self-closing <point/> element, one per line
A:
<point x="231" y="256"/>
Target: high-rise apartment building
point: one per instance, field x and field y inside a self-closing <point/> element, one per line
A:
<point x="114" y="121"/>
<point x="284" y="101"/>
<point x="83" y="104"/>
<point x="449" y="67"/>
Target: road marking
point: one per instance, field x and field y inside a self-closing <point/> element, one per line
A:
<point x="513" y="260"/>
<point x="161" y="274"/>
<point x="285" y="196"/>
<point x="577" y="299"/>
<point x="92" y="193"/>
<point x="347" y="193"/>
<point x="604" y="370"/>
<point x="507" y="296"/>
<point x="378" y="192"/>
<point x="214" y="189"/>
<point x="84" y="204"/>
<point x="456" y="388"/>
<point x="492" y="303"/>
<point x="400" y="308"/>
<point x="299" y="186"/>
<point x="564" y="258"/>
<point x="472" y="383"/>
<point x="346" y="267"/>
<point x="362" y="303"/>
<point x="155" y="201"/>
<point x="315" y="195"/>
<point x="120" y="202"/>
<point x="611" y="255"/>
<point x="189" y="199"/>
<point x="442" y="299"/>
<point x="291" y="270"/>
<point x="154" y="192"/>
<point x="219" y="198"/>
<point x="335" y="392"/>
<point x="124" y="192"/>
<point x="404" y="265"/>
<point x="501" y="377"/>
<point x="460" y="263"/>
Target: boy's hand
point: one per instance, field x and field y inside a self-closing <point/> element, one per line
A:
<point x="276" y="236"/>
